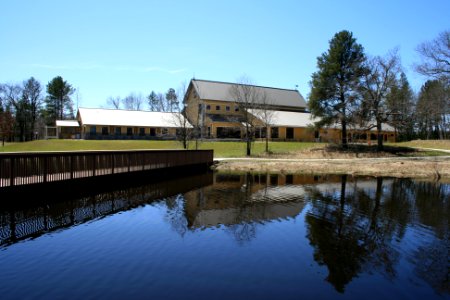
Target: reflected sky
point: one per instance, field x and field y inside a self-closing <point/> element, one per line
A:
<point x="219" y="236"/>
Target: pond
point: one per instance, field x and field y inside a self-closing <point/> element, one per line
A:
<point x="225" y="236"/>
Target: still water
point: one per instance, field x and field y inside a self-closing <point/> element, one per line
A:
<point x="215" y="236"/>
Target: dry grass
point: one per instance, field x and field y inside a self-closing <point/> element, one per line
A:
<point x="434" y="168"/>
<point x="432" y="144"/>
<point x="357" y="160"/>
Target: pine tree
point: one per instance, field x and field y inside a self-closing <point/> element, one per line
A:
<point x="334" y="86"/>
<point x="58" y="102"/>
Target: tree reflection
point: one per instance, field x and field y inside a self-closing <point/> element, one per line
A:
<point x="350" y="233"/>
<point x="176" y="216"/>
<point x="431" y="260"/>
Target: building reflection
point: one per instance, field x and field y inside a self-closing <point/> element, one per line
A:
<point x="249" y="198"/>
<point x="28" y="219"/>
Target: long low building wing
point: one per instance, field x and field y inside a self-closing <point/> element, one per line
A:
<point x="134" y="118"/>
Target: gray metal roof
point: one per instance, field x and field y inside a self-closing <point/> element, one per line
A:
<point x="220" y="91"/>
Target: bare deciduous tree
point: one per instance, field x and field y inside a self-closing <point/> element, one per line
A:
<point x="435" y="56"/>
<point x="247" y="97"/>
<point x="179" y="119"/>
<point x="380" y="77"/>
<point x="114" y="102"/>
<point x="266" y="115"/>
<point x="133" y="101"/>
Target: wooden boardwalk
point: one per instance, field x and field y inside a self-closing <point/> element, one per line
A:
<point x="30" y="168"/>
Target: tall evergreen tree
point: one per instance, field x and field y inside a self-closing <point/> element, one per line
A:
<point x="433" y="107"/>
<point x="58" y="102"/>
<point x="31" y="95"/>
<point x="401" y="104"/>
<point x="334" y="87"/>
<point x="153" y="101"/>
<point x="172" y="100"/>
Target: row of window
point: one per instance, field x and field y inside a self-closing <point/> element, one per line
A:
<point x="118" y="131"/>
<point x="219" y="107"/>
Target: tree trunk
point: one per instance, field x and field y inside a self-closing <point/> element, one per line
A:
<point x="379" y="137"/>
<point x="344" y="134"/>
<point x="267" y="139"/>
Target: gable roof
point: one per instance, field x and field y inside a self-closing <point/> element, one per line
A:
<point x="138" y="118"/>
<point x="220" y="91"/>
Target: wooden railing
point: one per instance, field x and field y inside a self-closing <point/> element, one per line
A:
<point x="40" y="167"/>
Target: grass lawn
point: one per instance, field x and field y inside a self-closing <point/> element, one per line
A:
<point x="221" y="149"/>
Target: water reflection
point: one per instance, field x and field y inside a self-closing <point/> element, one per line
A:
<point x="23" y="220"/>
<point x="355" y="225"/>
<point x="352" y="228"/>
<point x="358" y="228"/>
<point x="235" y="199"/>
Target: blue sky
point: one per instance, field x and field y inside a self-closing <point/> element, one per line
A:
<point x="113" y="48"/>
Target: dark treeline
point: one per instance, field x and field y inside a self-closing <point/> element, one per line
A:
<point x="25" y="109"/>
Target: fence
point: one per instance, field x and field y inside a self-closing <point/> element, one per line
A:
<point x="29" y="168"/>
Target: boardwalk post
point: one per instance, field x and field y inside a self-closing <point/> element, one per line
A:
<point x="93" y="165"/>
<point x="45" y="168"/>
<point x="113" y="158"/>
<point x="72" y="158"/>
<point x="11" y="171"/>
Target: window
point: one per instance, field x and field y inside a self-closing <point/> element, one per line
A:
<point x="227" y="108"/>
<point x="118" y="131"/>
<point x="93" y="130"/>
<point x="274" y="132"/>
<point x="104" y="130"/>
<point x="141" y="131"/>
<point x="208" y="107"/>
<point x="152" y="131"/>
<point x="289" y="133"/>
<point x="129" y="130"/>
<point x="273" y="179"/>
<point x="289" y="179"/>
<point x="236" y="108"/>
<point x="217" y="107"/>
<point x="164" y="131"/>
<point x="260" y="132"/>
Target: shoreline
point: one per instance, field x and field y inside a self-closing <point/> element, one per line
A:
<point x="433" y="168"/>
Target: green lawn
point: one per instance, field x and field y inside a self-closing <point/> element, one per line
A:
<point x="221" y="149"/>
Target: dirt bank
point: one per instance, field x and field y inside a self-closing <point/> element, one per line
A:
<point x="420" y="167"/>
